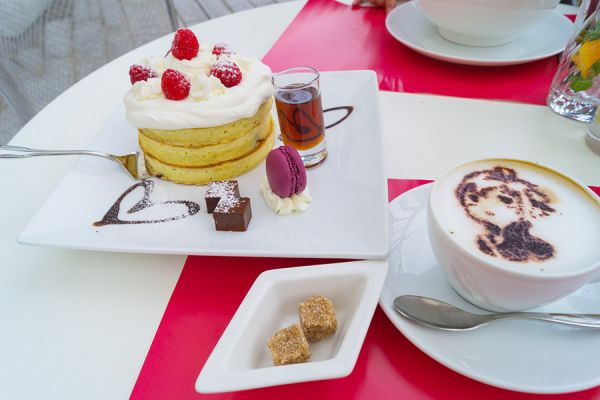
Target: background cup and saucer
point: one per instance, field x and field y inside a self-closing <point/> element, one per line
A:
<point x="481" y="32"/>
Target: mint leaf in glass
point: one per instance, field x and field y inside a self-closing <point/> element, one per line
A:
<point x="595" y="69"/>
<point x="578" y="83"/>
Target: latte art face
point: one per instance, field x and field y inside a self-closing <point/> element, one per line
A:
<point x="506" y="207"/>
<point x="519" y="216"/>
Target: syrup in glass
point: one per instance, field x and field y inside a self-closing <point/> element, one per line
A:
<point x="300" y="117"/>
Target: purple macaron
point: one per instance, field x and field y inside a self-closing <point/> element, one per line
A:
<point x="285" y="171"/>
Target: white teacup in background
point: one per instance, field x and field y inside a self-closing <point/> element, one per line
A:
<point x="513" y="235"/>
<point x="485" y="22"/>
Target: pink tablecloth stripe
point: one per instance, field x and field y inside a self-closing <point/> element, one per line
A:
<point x="207" y="295"/>
<point x="332" y="36"/>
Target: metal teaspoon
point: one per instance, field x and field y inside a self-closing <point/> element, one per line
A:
<point x="437" y="314"/>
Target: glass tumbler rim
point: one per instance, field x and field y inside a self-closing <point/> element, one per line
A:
<point x="295" y="69"/>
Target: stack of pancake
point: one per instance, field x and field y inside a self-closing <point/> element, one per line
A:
<point x="202" y="155"/>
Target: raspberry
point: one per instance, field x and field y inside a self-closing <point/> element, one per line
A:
<point x="185" y="45"/>
<point x="140" y="73"/>
<point x="175" y="86"/>
<point x="222" y="49"/>
<point x="228" y="73"/>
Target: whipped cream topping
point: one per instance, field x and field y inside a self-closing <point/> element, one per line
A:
<point x="287" y="205"/>
<point x="210" y="103"/>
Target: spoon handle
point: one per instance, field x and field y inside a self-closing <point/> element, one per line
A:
<point x="585" y="320"/>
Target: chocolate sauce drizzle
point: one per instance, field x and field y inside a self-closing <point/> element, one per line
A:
<point x="513" y="241"/>
<point x="112" y="215"/>
<point x="348" y="109"/>
<point x="314" y="129"/>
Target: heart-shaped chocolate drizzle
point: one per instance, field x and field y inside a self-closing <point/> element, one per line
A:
<point x="112" y="215"/>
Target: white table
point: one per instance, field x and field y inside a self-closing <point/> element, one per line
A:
<point x="78" y="325"/>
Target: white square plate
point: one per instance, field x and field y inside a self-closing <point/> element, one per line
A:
<point x="347" y="219"/>
<point x="241" y="360"/>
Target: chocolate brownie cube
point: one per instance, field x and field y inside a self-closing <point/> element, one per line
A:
<point x="217" y="190"/>
<point x="232" y="214"/>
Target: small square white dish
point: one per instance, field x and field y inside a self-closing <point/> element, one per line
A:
<point x="241" y="360"/>
<point x="347" y="218"/>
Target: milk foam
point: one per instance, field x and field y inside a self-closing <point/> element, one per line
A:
<point x="553" y="211"/>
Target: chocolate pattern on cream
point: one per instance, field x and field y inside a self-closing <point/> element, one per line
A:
<point x="522" y="202"/>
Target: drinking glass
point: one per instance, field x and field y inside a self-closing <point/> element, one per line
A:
<point x="300" y="113"/>
<point x="592" y="138"/>
<point x="575" y="89"/>
<point x="586" y="9"/>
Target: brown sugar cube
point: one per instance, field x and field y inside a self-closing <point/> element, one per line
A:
<point x="289" y="346"/>
<point x="232" y="214"/>
<point x="317" y="317"/>
<point x="217" y="190"/>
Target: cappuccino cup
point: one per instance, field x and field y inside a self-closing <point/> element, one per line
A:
<point x="485" y="22"/>
<point x="513" y="235"/>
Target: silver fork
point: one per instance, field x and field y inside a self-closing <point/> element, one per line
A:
<point x="133" y="163"/>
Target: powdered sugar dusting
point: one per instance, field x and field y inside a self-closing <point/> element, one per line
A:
<point x="146" y="210"/>
<point x="221" y="189"/>
<point x="225" y="65"/>
<point x="226" y="204"/>
<point x="222" y="49"/>
<point x="227" y="72"/>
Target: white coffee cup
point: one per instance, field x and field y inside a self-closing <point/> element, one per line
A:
<point x="485" y="22"/>
<point x="513" y="235"/>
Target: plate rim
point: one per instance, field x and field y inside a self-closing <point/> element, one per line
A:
<point x="466" y="60"/>
<point x="400" y="324"/>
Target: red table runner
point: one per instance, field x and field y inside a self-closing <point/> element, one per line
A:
<point x="330" y="36"/>
<point x="208" y="293"/>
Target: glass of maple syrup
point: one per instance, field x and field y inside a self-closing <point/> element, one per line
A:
<point x="300" y="113"/>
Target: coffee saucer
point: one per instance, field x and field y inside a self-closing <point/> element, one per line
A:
<point x="525" y="356"/>
<point x="410" y="27"/>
